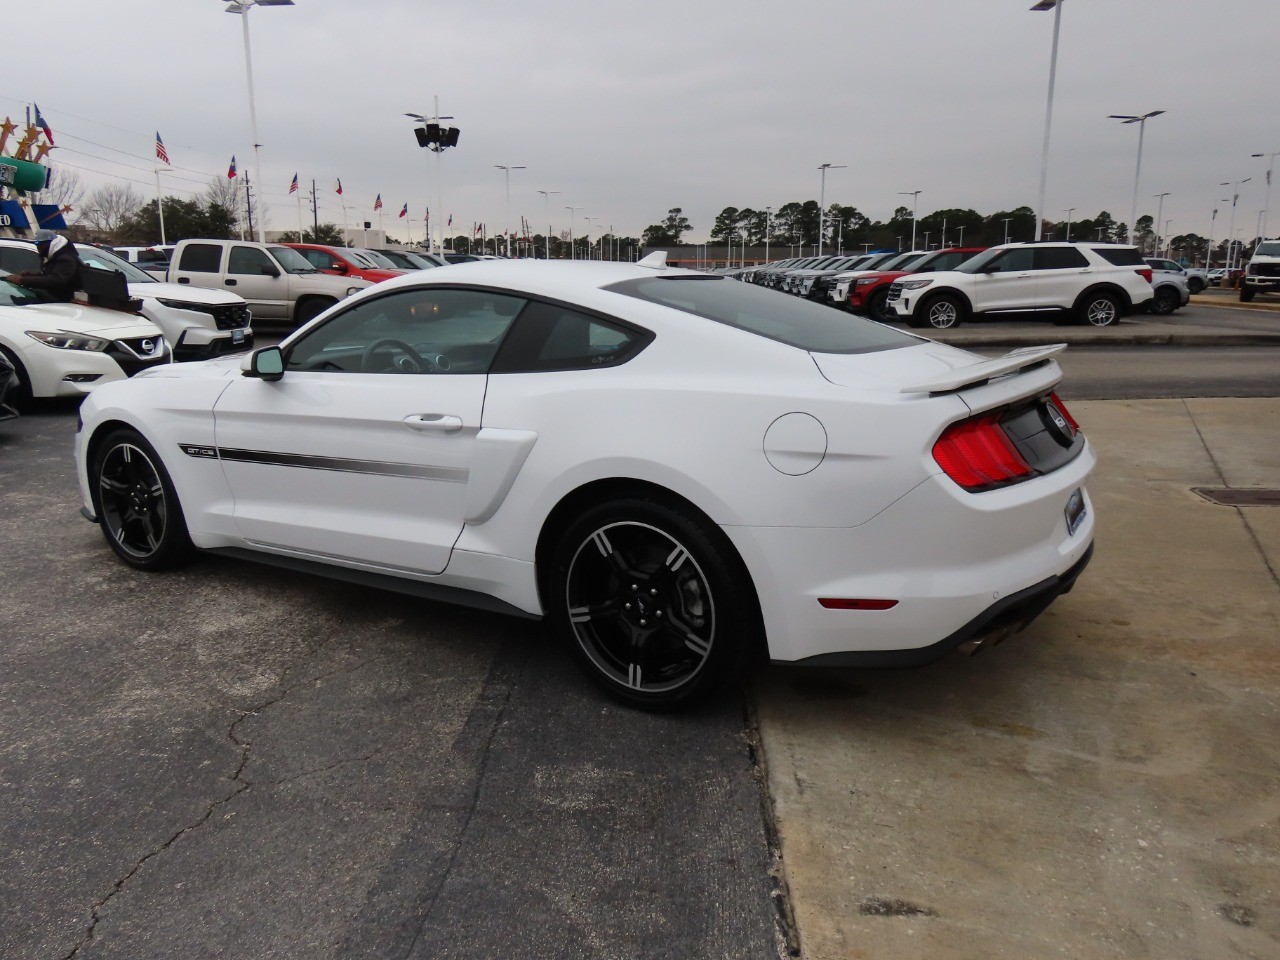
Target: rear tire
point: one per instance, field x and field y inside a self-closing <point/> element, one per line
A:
<point x="137" y="506"/>
<point x="1246" y="293"/>
<point x="1100" y="309"/>
<point x="1195" y="285"/>
<point x="654" y="603"/>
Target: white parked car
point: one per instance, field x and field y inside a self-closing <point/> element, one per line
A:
<point x="679" y="471"/>
<point x="197" y="322"/>
<point x="68" y="349"/>
<point x="1091" y="283"/>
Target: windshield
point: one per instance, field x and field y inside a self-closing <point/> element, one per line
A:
<point x="13" y="295"/>
<point x="903" y="261"/>
<point x="291" y="260"/>
<point x="379" y="259"/>
<point x="105" y="260"/>
<point x="776" y="316"/>
<point x="976" y="264"/>
<point x="418" y="261"/>
<point x="1269" y="249"/>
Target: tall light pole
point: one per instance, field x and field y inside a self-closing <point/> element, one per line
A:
<point x="243" y="7"/>
<point x="915" y="196"/>
<point x="768" y="219"/>
<point x="573" y="255"/>
<point x="1231" y="230"/>
<point x="822" y="200"/>
<point x="1266" y="212"/>
<point x="1159" y="213"/>
<point x="546" y="196"/>
<point x="1006" y="228"/>
<point x="1141" y="121"/>
<point x="1056" y="7"/>
<point x="436" y="139"/>
<point x="1069" y="211"/>
<point x="589" y="219"/>
<point x="506" y="226"/>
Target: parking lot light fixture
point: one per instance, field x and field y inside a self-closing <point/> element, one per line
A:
<point x="242" y="7"/>
<point x="1042" y="6"/>
<point x="1006" y="228"/>
<point x="572" y="253"/>
<point x="1069" y="211"/>
<point x="1141" y="121"/>
<point x="437" y="139"/>
<point x="1231" y="230"/>
<point x="546" y="196"/>
<point x="1266" y="211"/>
<point x="822" y="199"/>
<point x="915" y="196"/>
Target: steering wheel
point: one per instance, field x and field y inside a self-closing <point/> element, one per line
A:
<point x="410" y="362"/>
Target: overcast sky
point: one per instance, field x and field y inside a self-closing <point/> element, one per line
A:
<point x="628" y="109"/>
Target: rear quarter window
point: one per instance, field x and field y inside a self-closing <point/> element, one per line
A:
<point x="201" y="258"/>
<point x="1121" y="256"/>
<point x="765" y="313"/>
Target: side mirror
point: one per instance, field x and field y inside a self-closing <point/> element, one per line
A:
<point x="264" y="364"/>
<point x="339" y="267"/>
<point x="270" y="271"/>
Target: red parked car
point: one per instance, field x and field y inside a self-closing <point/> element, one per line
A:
<point x="343" y="262"/>
<point x="868" y="293"/>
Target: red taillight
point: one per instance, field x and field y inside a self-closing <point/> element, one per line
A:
<point x="1066" y="415"/>
<point x="1144" y="273"/>
<point x="978" y="455"/>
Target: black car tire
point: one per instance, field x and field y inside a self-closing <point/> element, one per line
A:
<point x="1099" y="309"/>
<point x="878" y="307"/>
<point x="1246" y="293"/>
<point x="1195" y="285"/>
<point x="654" y="603"/>
<point x="136" y="504"/>
<point x="19" y="396"/>
<point x="308" y="310"/>
<point x="1165" y="301"/>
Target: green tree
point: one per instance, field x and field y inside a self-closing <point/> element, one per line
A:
<point x="327" y="234"/>
<point x="183" y="219"/>
<point x="668" y="232"/>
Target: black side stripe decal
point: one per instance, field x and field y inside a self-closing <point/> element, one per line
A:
<point x="377" y="468"/>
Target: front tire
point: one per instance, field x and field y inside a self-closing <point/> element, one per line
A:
<point x="138" y="509"/>
<point x="655" y="604"/>
<point x="1165" y="301"/>
<point x="1195" y="285"/>
<point x="943" y="312"/>
<point x="1246" y="293"/>
<point x="1099" y="309"/>
<point x="878" y="307"/>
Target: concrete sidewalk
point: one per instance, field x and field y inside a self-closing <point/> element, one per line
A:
<point x="1104" y="785"/>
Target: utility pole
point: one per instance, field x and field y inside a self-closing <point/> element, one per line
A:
<point x="248" y="202"/>
<point x="315" y="214"/>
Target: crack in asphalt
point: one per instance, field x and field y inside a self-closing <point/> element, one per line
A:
<point x="237" y="777"/>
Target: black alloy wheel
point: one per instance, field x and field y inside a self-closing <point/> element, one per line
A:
<point x="1195" y="285"/>
<point x="137" y="506"/>
<point x="1165" y="301"/>
<point x="655" y="604"/>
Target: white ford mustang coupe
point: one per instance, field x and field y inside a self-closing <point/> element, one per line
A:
<point x="678" y="470"/>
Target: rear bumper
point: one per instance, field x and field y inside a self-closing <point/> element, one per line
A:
<point x="1001" y="620"/>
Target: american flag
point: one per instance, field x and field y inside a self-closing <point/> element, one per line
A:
<point x="293" y="187"/>
<point x="377" y="203"/>
<point x="161" y="152"/>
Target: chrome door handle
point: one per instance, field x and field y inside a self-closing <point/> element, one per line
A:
<point x="435" y="422"/>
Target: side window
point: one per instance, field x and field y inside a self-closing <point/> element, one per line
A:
<point x="201" y="258"/>
<point x="1059" y="258"/>
<point x="250" y="260"/>
<point x="427" y="330"/>
<point x="552" y="337"/>
<point x="1015" y="258"/>
<point x="318" y="259"/>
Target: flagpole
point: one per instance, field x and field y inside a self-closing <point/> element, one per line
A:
<point x="160" y="205"/>
<point x="299" y="193"/>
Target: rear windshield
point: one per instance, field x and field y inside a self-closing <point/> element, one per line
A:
<point x="1121" y="256"/>
<point x="766" y="313"/>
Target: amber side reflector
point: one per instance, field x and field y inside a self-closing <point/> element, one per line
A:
<point x="846" y="603"/>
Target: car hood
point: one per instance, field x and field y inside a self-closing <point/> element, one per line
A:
<point x="927" y="367"/>
<point x="221" y="368"/>
<point x="186" y="292"/>
<point x="81" y="318"/>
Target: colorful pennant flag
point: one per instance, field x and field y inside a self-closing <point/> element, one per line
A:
<point x="161" y="152"/>
<point x="231" y="170"/>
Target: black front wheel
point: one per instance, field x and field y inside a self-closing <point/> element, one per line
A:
<point x="655" y="603"/>
<point x="1165" y="301"/>
<point x="878" y="307"/>
<point x="1246" y="293"/>
<point x="138" y="509"/>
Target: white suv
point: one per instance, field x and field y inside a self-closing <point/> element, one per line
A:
<point x="1093" y="283"/>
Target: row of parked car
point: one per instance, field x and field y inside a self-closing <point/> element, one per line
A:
<point x="144" y="306"/>
<point x="1068" y="282"/>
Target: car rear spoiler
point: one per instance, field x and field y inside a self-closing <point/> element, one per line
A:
<point x="1016" y="361"/>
